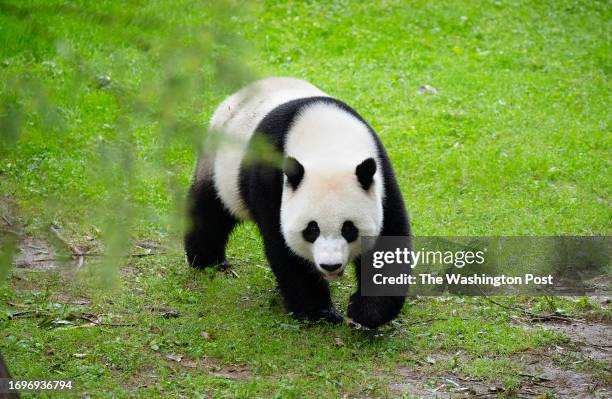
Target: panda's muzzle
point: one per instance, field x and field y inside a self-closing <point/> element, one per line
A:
<point x="330" y="256"/>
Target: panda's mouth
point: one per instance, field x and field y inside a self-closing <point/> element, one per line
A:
<point x="333" y="275"/>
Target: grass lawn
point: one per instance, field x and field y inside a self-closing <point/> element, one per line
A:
<point x="103" y="106"/>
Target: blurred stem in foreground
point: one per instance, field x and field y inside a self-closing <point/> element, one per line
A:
<point x="157" y="75"/>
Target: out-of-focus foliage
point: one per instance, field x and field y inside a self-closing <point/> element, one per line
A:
<point x="137" y="77"/>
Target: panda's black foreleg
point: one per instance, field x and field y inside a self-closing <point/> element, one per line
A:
<point x="211" y="225"/>
<point x="372" y="311"/>
<point x="305" y="293"/>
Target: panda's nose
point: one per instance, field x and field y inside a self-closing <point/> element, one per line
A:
<point x="331" y="268"/>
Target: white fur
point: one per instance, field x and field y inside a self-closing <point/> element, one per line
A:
<point x="236" y="119"/>
<point x="331" y="251"/>
<point x="330" y="143"/>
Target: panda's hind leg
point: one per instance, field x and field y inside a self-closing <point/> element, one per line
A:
<point x="211" y="226"/>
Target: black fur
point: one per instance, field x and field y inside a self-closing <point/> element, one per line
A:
<point x="211" y="225"/>
<point x="294" y="172"/>
<point x="349" y="231"/>
<point x="311" y="232"/>
<point x="365" y="173"/>
<point x="305" y="292"/>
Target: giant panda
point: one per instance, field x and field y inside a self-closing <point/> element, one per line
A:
<point x="335" y="185"/>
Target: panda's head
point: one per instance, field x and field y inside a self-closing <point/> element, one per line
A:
<point x="326" y="208"/>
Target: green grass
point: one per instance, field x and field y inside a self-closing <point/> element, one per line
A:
<point x="516" y="142"/>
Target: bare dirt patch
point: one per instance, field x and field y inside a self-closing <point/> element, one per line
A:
<point x="66" y="299"/>
<point x="543" y="374"/>
<point x="593" y="340"/>
<point x="210" y="366"/>
<point x="412" y="383"/>
<point x="150" y="376"/>
<point x="569" y="369"/>
<point x="565" y="370"/>
<point x="35" y="254"/>
<point x="139" y="379"/>
<point x="540" y="376"/>
<point x="7" y="213"/>
<point x="422" y="384"/>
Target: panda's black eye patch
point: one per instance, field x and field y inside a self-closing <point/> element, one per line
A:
<point x="349" y="231"/>
<point x="311" y="232"/>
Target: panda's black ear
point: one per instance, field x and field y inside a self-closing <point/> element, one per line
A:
<point x="365" y="173"/>
<point x="294" y="171"/>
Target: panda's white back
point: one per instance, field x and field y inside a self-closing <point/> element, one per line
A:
<point x="236" y="120"/>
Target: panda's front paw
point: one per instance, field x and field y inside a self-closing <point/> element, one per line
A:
<point x="359" y="313"/>
<point x="224" y="266"/>
<point x="330" y="315"/>
<point x="373" y="312"/>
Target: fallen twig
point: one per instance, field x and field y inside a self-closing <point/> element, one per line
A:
<point x="533" y="316"/>
<point x="438" y="388"/>
<point x="90" y="317"/>
<point x="145" y="254"/>
<point x="535" y="377"/>
<point x="8" y="222"/>
<point x="76" y="251"/>
<point x="457" y="385"/>
<point x="44" y="260"/>
<point x="86" y="254"/>
<point x="605" y="348"/>
<point x="17" y="305"/>
<point x="138" y="255"/>
<point x="548" y="317"/>
<point x="24" y="314"/>
<point x="79" y="255"/>
<point x="97" y="322"/>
